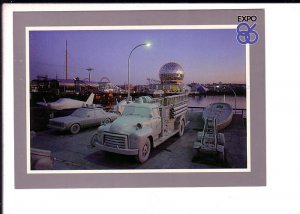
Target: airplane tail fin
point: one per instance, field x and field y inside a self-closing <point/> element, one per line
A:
<point x="90" y="99"/>
<point x="46" y="104"/>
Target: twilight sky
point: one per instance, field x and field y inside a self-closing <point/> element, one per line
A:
<point x="206" y="56"/>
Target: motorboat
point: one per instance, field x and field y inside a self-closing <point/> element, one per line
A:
<point x="222" y="112"/>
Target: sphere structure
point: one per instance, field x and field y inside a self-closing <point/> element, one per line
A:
<point x="171" y="73"/>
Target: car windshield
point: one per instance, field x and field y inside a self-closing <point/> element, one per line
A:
<point x="133" y="110"/>
<point x="79" y="112"/>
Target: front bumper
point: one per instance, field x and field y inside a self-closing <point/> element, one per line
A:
<point x="60" y="128"/>
<point x="116" y="150"/>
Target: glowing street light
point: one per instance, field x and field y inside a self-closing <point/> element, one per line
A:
<point x="128" y="86"/>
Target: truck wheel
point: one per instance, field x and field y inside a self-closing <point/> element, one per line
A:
<point x="181" y="128"/>
<point x="75" y="128"/>
<point x="221" y="155"/>
<point x="144" y="152"/>
<point x="94" y="139"/>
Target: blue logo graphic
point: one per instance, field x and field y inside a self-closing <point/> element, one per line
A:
<point x="246" y="34"/>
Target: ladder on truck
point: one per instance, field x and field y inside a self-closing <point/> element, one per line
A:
<point x="174" y="100"/>
<point x="172" y="108"/>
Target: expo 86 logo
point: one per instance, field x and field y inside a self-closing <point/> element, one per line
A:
<point x="246" y="34"/>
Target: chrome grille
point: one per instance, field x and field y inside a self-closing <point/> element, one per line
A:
<point x="115" y="140"/>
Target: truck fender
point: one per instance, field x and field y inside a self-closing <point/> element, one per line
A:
<point x="183" y="118"/>
<point x="178" y="119"/>
<point x="146" y="133"/>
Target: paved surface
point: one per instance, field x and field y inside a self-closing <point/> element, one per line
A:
<point x="73" y="151"/>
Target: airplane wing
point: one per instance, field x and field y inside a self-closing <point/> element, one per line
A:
<point x="42" y="104"/>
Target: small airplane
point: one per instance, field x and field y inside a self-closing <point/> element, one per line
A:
<point x="67" y="103"/>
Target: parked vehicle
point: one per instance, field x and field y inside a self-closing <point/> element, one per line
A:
<point x="82" y="118"/>
<point x="144" y="124"/>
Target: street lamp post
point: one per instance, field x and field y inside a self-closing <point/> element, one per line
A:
<point x="89" y="70"/>
<point x="234" y="99"/>
<point x="128" y="86"/>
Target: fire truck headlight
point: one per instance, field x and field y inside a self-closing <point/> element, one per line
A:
<point x="139" y="126"/>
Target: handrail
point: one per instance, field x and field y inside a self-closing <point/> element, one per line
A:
<point x="202" y="107"/>
<point x="243" y="110"/>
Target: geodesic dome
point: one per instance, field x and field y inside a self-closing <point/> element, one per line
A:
<point x="171" y="72"/>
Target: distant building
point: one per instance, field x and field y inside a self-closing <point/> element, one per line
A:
<point x="62" y="86"/>
<point x="153" y="87"/>
<point x="197" y="88"/>
<point x="171" y="76"/>
<point x="76" y="86"/>
<point x="140" y="88"/>
<point x="43" y="84"/>
<point x="107" y="87"/>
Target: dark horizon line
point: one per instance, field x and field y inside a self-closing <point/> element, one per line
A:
<point x="217" y="82"/>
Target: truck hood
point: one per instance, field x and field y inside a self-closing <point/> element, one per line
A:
<point x="126" y="123"/>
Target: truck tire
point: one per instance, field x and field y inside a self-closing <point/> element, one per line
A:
<point x="75" y="128"/>
<point x="181" y="128"/>
<point x="221" y="156"/>
<point x="95" y="138"/>
<point x="144" y="151"/>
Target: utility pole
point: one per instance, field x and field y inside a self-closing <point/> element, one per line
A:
<point x="66" y="59"/>
<point x="89" y="70"/>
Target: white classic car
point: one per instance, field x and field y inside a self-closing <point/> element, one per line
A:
<point x="82" y="118"/>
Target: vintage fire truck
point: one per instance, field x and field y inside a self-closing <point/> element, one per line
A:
<point x="145" y="123"/>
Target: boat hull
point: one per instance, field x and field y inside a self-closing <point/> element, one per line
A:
<point x="221" y="111"/>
